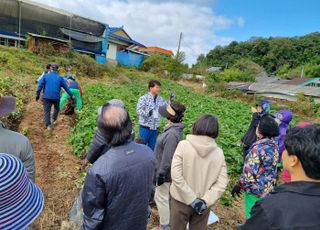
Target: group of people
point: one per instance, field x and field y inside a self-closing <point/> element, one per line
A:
<point x="50" y="84"/>
<point x="184" y="177"/>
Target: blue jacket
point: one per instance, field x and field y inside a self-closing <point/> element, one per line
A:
<point x="51" y="84"/>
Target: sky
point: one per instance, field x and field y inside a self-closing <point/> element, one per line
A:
<point x="203" y="23"/>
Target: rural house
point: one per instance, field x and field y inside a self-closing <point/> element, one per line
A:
<point x="123" y="49"/>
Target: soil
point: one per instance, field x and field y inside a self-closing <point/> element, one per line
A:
<point x="58" y="173"/>
<point x="57" y="169"/>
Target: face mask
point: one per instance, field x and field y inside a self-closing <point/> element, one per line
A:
<point x="278" y="118"/>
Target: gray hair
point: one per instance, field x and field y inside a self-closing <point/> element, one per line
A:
<point x="115" y="124"/>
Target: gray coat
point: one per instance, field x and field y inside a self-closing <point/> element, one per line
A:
<point x="18" y="145"/>
<point x="117" y="189"/>
<point x="166" y="146"/>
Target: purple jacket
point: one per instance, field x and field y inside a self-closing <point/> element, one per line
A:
<point x="284" y="117"/>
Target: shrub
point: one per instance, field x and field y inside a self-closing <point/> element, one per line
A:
<point x="304" y="105"/>
<point x="249" y="67"/>
<point x="89" y="67"/>
<point x="160" y="64"/>
<point x="235" y="74"/>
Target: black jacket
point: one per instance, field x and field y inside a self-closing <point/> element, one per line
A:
<point x="250" y="136"/>
<point x="117" y="189"/>
<point x="293" y="206"/>
<point x="99" y="146"/>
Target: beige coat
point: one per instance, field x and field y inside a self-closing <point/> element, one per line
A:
<point x="198" y="170"/>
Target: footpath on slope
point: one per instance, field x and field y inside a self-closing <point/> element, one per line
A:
<point x="57" y="169"/>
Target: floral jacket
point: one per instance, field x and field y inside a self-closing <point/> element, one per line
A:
<point x="260" y="168"/>
<point x="146" y="104"/>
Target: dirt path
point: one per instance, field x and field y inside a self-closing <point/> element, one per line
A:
<point x="57" y="169"/>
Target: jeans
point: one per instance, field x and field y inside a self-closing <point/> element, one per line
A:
<point x="47" y="105"/>
<point x="149" y="136"/>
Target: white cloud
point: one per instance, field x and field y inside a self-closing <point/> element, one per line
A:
<point x="240" y="21"/>
<point x="159" y="23"/>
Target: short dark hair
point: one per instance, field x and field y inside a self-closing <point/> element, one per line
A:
<point x="304" y="142"/>
<point x="153" y="83"/>
<point x="48" y="66"/>
<point x="179" y="109"/>
<point x="115" y="125"/>
<point x="268" y="127"/>
<point x="207" y="125"/>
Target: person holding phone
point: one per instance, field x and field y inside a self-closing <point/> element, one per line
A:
<point x="250" y="137"/>
<point x="148" y="112"/>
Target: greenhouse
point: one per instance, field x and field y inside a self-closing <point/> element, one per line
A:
<point x="20" y="17"/>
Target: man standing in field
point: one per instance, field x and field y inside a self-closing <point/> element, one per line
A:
<point x="51" y="85"/>
<point x="118" y="186"/>
<point x="148" y="111"/>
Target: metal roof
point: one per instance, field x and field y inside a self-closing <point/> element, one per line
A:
<point x="49" y="38"/>
<point x="298" y="81"/>
<point x="115" y="29"/>
<point x="284" y="89"/>
<point x="126" y="40"/>
<point x="56" y="10"/>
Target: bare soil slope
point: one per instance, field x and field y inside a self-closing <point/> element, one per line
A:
<point x="57" y="169"/>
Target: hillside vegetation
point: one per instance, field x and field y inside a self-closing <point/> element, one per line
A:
<point x="278" y="56"/>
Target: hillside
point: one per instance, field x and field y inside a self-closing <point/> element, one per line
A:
<point x="60" y="162"/>
<point x="280" y="56"/>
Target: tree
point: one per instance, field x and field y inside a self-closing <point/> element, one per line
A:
<point x="275" y="55"/>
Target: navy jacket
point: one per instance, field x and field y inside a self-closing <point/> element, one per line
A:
<point x="51" y="85"/>
<point x="117" y="189"/>
<point x="293" y="206"/>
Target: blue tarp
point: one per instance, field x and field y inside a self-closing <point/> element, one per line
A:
<point x="128" y="58"/>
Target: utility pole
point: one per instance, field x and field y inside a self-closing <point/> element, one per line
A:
<point x="302" y="72"/>
<point x="19" y="29"/>
<point x="179" y="44"/>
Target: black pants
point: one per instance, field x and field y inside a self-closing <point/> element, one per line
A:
<point x="47" y="105"/>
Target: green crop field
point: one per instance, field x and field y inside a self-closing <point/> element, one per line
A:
<point x="233" y="116"/>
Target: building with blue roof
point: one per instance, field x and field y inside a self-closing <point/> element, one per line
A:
<point x="123" y="49"/>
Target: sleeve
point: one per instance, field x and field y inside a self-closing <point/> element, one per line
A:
<point x="170" y="145"/>
<point x="250" y="168"/>
<point x="218" y="188"/>
<point x="41" y="85"/>
<point x="65" y="87"/>
<point x="162" y="102"/>
<point x="97" y="146"/>
<point x="94" y="201"/>
<point x="258" y="220"/>
<point x="81" y="90"/>
<point x="29" y="161"/>
<point x="39" y="78"/>
<point x="177" y="176"/>
<point x="142" y="108"/>
<point x="255" y="120"/>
